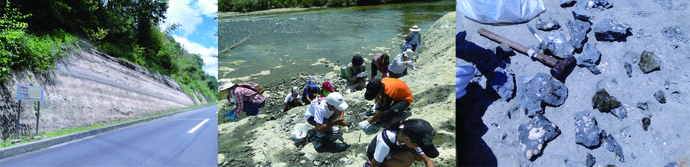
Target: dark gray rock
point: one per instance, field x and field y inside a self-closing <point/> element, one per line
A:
<point x="557" y="44"/>
<point x="535" y="134"/>
<point x="590" y="160"/>
<point x="542" y="88"/>
<point x="643" y="105"/>
<point x="566" y="3"/>
<point x="547" y="24"/>
<point x="602" y="4"/>
<point x="648" y="62"/>
<point x="613" y="146"/>
<point x="660" y="96"/>
<point x="581" y="14"/>
<point x="604" y="102"/>
<point x="589" y="58"/>
<point x="587" y="132"/>
<point x="503" y="83"/>
<point x="672" y="164"/>
<point x="609" y="30"/>
<point x="628" y="69"/>
<point x="578" y="32"/>
<point x="646" y="121"/>
<point x="620" y="112"/>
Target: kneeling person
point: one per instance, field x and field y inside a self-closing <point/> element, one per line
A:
<point x="402" y="143"/>
<point x="326" y="113"/>
<point x="390" y="94"/>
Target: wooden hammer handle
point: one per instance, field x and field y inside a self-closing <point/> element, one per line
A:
<point x="547" y="60"/>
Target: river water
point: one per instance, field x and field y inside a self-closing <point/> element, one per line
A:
<point x="294" y="41"/>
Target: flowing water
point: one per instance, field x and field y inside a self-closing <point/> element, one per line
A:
<point x="295" y="41"/>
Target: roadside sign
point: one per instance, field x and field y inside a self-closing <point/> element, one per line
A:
<point x="29" y="93"/>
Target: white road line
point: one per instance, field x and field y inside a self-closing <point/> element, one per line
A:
<point x="197" y="126"/>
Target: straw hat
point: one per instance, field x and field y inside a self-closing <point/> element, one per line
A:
<point x="415" y="28"/>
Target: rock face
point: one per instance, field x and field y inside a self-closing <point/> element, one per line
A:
<point x="659" y="95"/>
<point x="590" y="160"/>
<point x="609" y="30"/>
<point x="587" y="132"/>
<point x="589" y="57"/>
<point x="578" y="32"/>
<point x="628" y="69"/>
<point x="558" y="45"/>
<point x="548" y="24"/>
<point x="535" y="134"/>
<point x="581" y="14"/>
<point x="604" y="102"/>
<point x="504" y="83"/>
<point x="648" y="62"/>
<point x="613" y="146"/>
<point x="645" y="123"/>
<point x="533" y="90"/>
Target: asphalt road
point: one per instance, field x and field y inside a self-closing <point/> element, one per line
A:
<point x="179" y="140"/>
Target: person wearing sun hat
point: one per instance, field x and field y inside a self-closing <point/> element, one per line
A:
<point x="402" y="143"/>
<point x="356" y="79"/>
<point x="292" y="99"/>
<point x="389" y="95"/>
<point x="416" y="37"/>
<point x="326" y="88"/>
<point x="398" y="67"/>
<point x="310" y="91"/>
<point x="325" y="113"/>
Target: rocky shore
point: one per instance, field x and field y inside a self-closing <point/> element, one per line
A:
<point x="265" y="140"/>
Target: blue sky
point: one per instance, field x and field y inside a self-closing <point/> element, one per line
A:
<point x="196" y="33"/>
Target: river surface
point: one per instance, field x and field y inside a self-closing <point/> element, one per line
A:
<point x="295" y="41"/>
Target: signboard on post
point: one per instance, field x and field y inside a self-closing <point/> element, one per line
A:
<point x="29" y="93"/>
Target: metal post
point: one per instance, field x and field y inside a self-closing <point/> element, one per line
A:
<point x="38" y="113"/>
<point x="19" y="111"/>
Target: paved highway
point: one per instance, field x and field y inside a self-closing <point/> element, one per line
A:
<point x="185" y="139"/>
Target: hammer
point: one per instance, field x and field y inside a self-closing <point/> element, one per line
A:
<point x="558" y="65"/>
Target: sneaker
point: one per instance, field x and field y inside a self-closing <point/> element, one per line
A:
<point x="367" y="164"/>
<point x="320" y="134"/>
<point x="363" y="124"/>
<point x="335" y="130"/>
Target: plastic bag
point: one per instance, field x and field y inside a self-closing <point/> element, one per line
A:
<point x="299" y="131"/>
<point x="463" y="76"/>
<point x="500" y="11"/>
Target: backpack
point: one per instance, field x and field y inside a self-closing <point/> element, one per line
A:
<point x="253" y="86"/>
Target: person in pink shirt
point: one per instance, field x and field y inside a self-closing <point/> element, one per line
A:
<point x="246" y="100"/>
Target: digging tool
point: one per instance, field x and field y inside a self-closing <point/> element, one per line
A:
<point x="558" y="66"/>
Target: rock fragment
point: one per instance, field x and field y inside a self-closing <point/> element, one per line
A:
<point x="590" y="160"/>
<point x="581" y="14"/>
<point x="587" y="132"/>
<point x="660" y="96"/>
<point x="535" y="134"/>
<point x="628" y="69"/>
<point x="604" y="102"/>
<point x="610" y="30"/>
<point x="672" y="164"/>
<point x="578" y="32"/>
<point x="542" y="88"/>
<point x="645" y="123"/>
<point x="613" y="146"/>
<point x="547" y="24"/>
<point x="648" y="62"/>
<point x="504" y="83"/>
<point x="557" y="44"/>
<point x="642" y="105"/>
<point x="566" y="3"/>
<point x="589" y="58"/>
<point x="667" y="84"/>
<point x="620" y="112"/>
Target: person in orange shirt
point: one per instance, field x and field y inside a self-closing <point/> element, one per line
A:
<point x="390" y="94"/>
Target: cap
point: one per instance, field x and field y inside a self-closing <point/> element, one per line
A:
<point x="408" y="38"/>
<point x="385" y="59"/>
<point x="312" y="83"/>
<point x="327" y="85"/>
<point x="336" y="100"/>
<point x="421" y="133"/>
<point x="295" y="90"/>
<point x="408" y="53"/>
<point x="373" y="88"/>
<point x="357" y="60"/>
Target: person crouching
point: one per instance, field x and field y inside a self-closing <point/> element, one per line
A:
<point x="326" y="113"/>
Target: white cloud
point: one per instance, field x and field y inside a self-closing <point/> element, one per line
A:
<point x="180" y="11"/>
<point x="211" y="66"/>
<point x="208" y="7"/>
